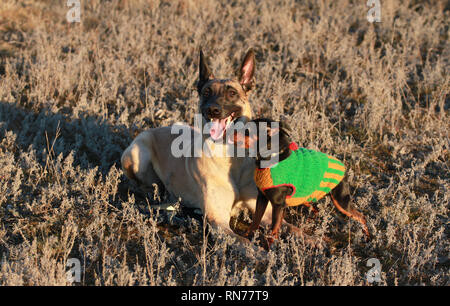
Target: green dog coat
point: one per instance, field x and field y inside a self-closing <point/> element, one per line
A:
<point x="311" y="174"/>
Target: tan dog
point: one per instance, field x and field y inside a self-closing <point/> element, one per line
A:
<point x="215" y="184"/>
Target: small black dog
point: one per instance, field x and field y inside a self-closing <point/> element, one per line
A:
<point x="291" y="176"/>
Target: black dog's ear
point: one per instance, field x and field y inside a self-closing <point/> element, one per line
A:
<point x="285" y="128"/>
<point x="243" y="119"/>
<point x="205" y="73"/>
<point x="247" y="70"/>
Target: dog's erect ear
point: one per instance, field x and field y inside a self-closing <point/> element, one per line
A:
<point x="205" y="73"/>
<point x="243" y="119"/>
<point x="247" y="70"/>
<point x="284" y="127"/>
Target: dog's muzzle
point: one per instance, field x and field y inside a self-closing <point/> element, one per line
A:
<point x="219" y="119"/>
<point x="219" y="126"/>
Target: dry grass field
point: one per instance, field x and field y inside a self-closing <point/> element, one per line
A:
<point x="73" y="96"/>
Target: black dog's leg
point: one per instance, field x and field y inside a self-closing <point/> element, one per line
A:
<point x="340" y="197"/>
<point x="277" y="218"/>
<point x="261" y="205"/>
<point x="277" y="197"/>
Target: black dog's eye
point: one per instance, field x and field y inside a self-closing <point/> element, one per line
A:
<point x="207" y="92"/>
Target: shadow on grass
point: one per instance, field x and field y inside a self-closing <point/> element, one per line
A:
<point x="94" y="143"/>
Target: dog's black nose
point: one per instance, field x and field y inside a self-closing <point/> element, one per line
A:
<point x="214" y="111"/>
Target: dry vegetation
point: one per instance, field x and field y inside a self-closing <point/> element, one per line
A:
<point x="73" y="96"/>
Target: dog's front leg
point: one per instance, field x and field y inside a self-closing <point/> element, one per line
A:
<point x="277" y="197"/>
<point x="217" y="205"/>
<point x="277" y="219"/>
<point x="261" y="205"/>
<point x="218" y="209"/>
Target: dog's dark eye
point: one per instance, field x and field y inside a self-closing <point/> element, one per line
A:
<point x="207" y="92"/>
<point x="232" y="93"/>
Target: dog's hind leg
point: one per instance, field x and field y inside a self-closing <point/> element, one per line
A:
<point x="137" y="165"/>
<point x="340" y="197"/>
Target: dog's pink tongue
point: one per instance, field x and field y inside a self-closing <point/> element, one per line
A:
<point x="217" y="128"/>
